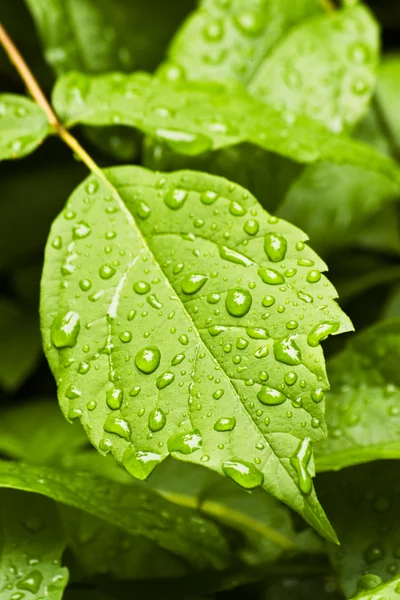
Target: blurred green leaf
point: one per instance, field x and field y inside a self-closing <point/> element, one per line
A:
<point x="32" y="544"/>
<point x="20" y="344"/>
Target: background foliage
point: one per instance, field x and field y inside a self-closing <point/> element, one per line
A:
<point x="297" y="103"/>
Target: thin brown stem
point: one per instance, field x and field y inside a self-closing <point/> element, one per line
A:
<point x="41" y="100"/>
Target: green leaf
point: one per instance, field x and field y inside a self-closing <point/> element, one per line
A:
<point x="303" y="588"/>
<point x="392" y="308"/>
<point x="35" y="432"/>
<point x="387" y="591"/>
<point x="20" y="345"/>
<point x="363" y="504"/>
<point x="265" y="523"/>
<point x="101" y="548"/>
<point x="230" y="40"/>
<point x="133" y="508"/>
<point x="194" y="118"/>
<point x="325" y="68"/>
<point x="363" y="406"/>
<point x="151" y="366"/>
<point x="95" y="36"/>
<point x="24" y="126"/>
<point x="32" y="544"/>
<point x="333" y="202"/>
<point x="388" y="92"/>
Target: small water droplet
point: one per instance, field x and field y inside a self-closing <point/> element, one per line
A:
<point x="321" y="332"/>
<point x="178" y="358"/>
<point x="193" y="283"/>
<point x="141" y="287"/>
<point x="106" y="271"/>
<point x="225" y="424"/>
<point x="218" y="394"/>
<point x="117" y="425"/>
<point x="243" y="473"/>
<point x="140" y="464"/>
<point x="374" y="553"/>
<point x="114" y="398"/>
<point x="271" y="276"/>
<point x="299" y="462"/>
<point x="275" y="246"/>
<point x="271" y="396"/>
<point x="313" y="276"/>
<point x="185" y="443"/>
<point x="257" y="333"/>
<point x="157" y="419"/>
<point x="251" y="227"/>
<point x="81" y="230"/>
<point x="175" y="198"/>
<point x="65" y="330"/>
<point x="165" y="380"/>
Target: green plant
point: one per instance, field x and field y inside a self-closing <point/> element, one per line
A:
<point x="182" y="315"/>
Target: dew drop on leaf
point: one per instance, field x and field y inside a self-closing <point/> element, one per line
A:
<point x="243" y="473"/>
<point x="299" y="462"/>
<point x="65" y="330"/>
<point x="275" y="246"/>
<point x="287" y="351"/>
<point x="141" y="287"/>
<point x="238" y="302"/>
<point x="271" y="396"/>
<point x="185" y="443"/>
<point x="320" y="332"/>
<point x="114" y="398"/>
<point x="271" y="276"/>
<point x="165" y="380"/>
<point x="157" y="419"/>
<point x="117" y="425"/>
<point x="225" y="424"/>
<point x="193" y="283"/>
<point x="148" y="359"/>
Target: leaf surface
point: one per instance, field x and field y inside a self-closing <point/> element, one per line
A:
<point x="133" y="509"/>
<point x="32" y="544"/>
<point x="363" y="406"/>
<point x="23" y="124"/>
<point x="218" y="39"/>
<point x="208" y="350"/>
<point x="387" y="591"/>
<point x="194" y="118"/>
<point x="363" y="504"/>
<point x="20" y="345"/>
<point x="388" y="92"/>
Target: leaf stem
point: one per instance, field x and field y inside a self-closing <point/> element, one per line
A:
<point x="232" y="517"/>
<point x="37" y="94"/>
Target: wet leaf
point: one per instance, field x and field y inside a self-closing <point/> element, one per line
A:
<point x="23" y="124"/>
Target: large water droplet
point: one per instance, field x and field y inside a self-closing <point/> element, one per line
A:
<point x="225" y="424"/>
<point x="257" y="333"/>
<point x="140" y="464"/>
<point x="65" y="330"/>
<point x="175" y="198"/>
<point x="141" y="287"/>
<point x="114" y="398"/>
<point x="243" y="473"/>
<point x="157" y="419"/>
<point x="251" y="227"/>
<point x="81" y="230"/>
<point x="234" y="257"/>
<point x="271" y="396"/>
<point x="299" y="462"/>
<point x="368" y="582"/>
<point x="275" y="246"/>
<point x="106" y="271"/>
<point x="185" y="443"/>
<point x="117" y="425"/>
<point x="287" y="351"/>
<point x="148" y="359"/>
<point x="193" y="283"/>
<point x="238" y="302"/>
<point x="183" y="142"/>
<point x="31" y="582"/>
<point x="271" y="276"/>
<point x="321" y="332"/>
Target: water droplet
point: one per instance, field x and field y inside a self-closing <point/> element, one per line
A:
<point x="141" y="287"/>
<point x="261" y="352"/>
<point x="85" y="285"/>
<point x="238" y="302"/>
<point x="234" y="257"/>
<point x="106" y="271"/>
<point x="117" y="425"/>
<point x="185" y="443"/>
<point x="143" y="210"/>
<point x="74" y="413"/>
<point x="140" y="464"/>
<point x="114" y="398"/>
<point x="287" y="351"/>
<point x="178" y="359"/>
<point x="271" y="276"/>
<point x="208" y="197"/>
<point x="317" y="395"/>
<point x="305" y="297"/>
<point x="225" y="424"/>
<point x="148" y="359"/>
<point x="275" y="246"/>
<point x="257" y="333"/>
<point x="65" y="330"/>
<point x="299" y="462"/>
<point x="243" y="473"/>
<point x="31" y="582"/>
<point x="236" y="209"/>
<point x="165" y="380"/>
<point x="218" y="394"/>
<point x="271" y="396"/>
<point x="290" y="378"/>
<point x="81" y="231"/>
<point x="57" y="243"/>
<point x="313" y="276"/>
<point x="72" y="392"/>
<point x="135" y="391"/>
<point x="125" y="336"/>
<point x="321" y="332"/>
<point x="183" y="339"/>
<point x="368" y="582"/>
<point x="213" y="298"/>
<point x="359" y="53"/>
<point x="91" y="405"/>
<point x="374" y="553"/>
<point x="251" y="227"/>
<point x="241" y="343"/>
<point x="175" y="198"/>
<point x="250" y="23"/>
<point x="215" y="330"/>
<point x="193" y="283"/>
<point x="157" y="419"/>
